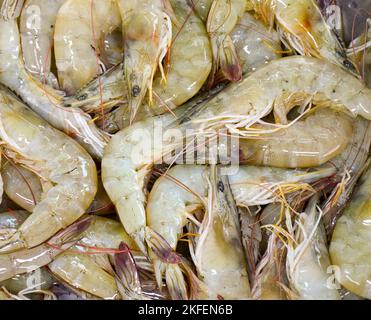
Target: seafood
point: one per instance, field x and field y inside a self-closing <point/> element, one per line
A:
<point x="222" y="19"/>
<point x="183" y="190"/>
<point x="350" y="165"/>
<point x="218" y="253"/>
<point x="84" y="271"/>
<point x="67" y="170"/>
<point x="350" y="241"/>
<point x="308" y="261"/>
<point x="37" y="30"/>
<point x="255" y="44"/>
<point x="124" y="173"/>
<point x="304" y="29"/>
<point x="187" y="70"/>
<point x="147" y="34"/>
<point x="309" y="142"/>
<point x="28" y="260"/>
<point x="25" y="188"/>
<point x="42" y="99"/>
<point x="77" y="53"/>
<point x="202" y="7"/>
<point x="10" y="9"/>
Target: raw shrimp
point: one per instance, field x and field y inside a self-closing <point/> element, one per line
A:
<point x="188" y="68"/>
<point x="350" y="165"/>
<point x="124" y="173"/>
<point x="67" y="168"/>
<point x="309" y="142"/>
<point x="42" y="99"/>
<point x="37" y="23"/>
<point x="25" y="188"/>
<point x="305" y="29"/>
<point x="308" y="259"/>
<point x="28" y="260"/>
<point x="255" y="44"/>
<point x="238" y="106"/>
<point x="80" y="27"/>
<point x="349" y="248"/>
<point x="40" y="278"/>
<point x="253" y="186"/>
<point x="147" y="32"/>
<point x="222" y="19"/>
<point x="218" y="253"/>
<point x="84" y="271"/>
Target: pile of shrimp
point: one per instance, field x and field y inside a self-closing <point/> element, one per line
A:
<point x="259" y="187"/>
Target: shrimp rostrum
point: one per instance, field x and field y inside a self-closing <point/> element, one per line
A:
<point x="67" y="171"/>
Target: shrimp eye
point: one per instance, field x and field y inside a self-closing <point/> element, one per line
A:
<point x="82" y="97"/>
<point x="347" y="64"/>
<point x="135" y="91"/>
<point x="221" y="186"/>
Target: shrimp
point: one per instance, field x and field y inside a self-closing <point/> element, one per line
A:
<point x="76" y="52"/>
<point x="25" y="188"/>
<point x="202" y="7"/>
<point x="69" y="170"/>
<point x="218" y="255"/>
<point x="147" y="32"/>
<point x="255" y="44"/>
<point x="189" y="66"/>
<point x="305" y="29"/>
<point x="238" y="106"/>
<point x="308" y="260"/>
<point x="350" y="241"/>
<point x="222" y="19"/>
<point x="253" y="186"/>
<point x="313" y="141"/>
<point x="96" y="279"/>
<point x="350" y="165"/>
<point x="37" y="30"/>
<point x="25" y="261"/>
<point x="171" y="205"/>
<point x="124" y="174"/>
<point x="45" y="101"/>
<point x="40" y="278"/>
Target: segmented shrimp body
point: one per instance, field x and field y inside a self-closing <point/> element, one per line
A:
<point x="69" y="170"/>
<point x="37" y="34"/>
<point x="79" y="30"/>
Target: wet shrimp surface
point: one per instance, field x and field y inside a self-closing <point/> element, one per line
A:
<point x="185" y="150"/>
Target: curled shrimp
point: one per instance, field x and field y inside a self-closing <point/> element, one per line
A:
<point x="42" y="99"/>
<point x="147" y="33"/>
<point x="77" y="52"/>
<point x="222" y="19"/>
<point x="307" y="256"/>
<point x="37" y="30"/>
<point x="350" y="241"/>
<point x="62" y="163"/>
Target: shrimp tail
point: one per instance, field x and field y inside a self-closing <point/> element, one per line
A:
<point x="175" y="282"/>
<point x="127" y="279"/>
<point x="229" y="61"/>
<point x="64" y="238"/>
